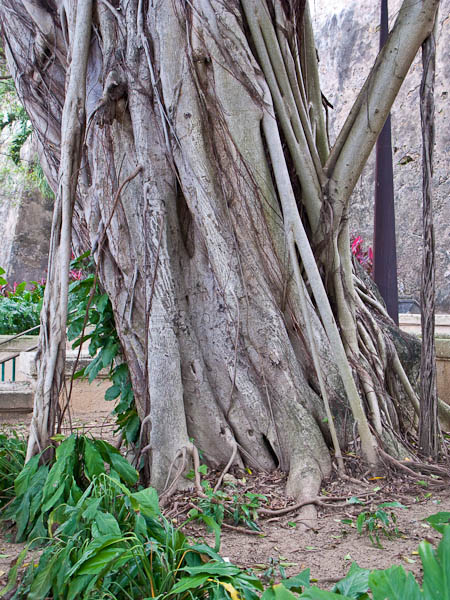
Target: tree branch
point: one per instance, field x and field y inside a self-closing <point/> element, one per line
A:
<point x="368" y="115"/>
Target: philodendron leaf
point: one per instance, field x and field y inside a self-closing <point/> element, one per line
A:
<point x="298" y="582"/>
<point x="354" y="584"/>
<point x="278" y="592"/>
<point x="439" y="521"/>
<point x="93" y="460"/>
<point x="147" y="502"/>
<point x="436" y="568"/>
<point x="394" y="584"/>
<point x="127" y="473"/>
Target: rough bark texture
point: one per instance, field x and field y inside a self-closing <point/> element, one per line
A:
<point x="429" y="435"/>
<point x="219" y="103"/>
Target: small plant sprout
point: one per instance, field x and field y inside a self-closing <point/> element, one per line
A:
<point x="379" y="522"/>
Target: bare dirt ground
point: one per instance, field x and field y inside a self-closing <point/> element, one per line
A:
<point x="328" y="548"/>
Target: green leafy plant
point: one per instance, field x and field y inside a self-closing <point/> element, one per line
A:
<point x="17" y="119"/>
<point x="20" y="306"/>
<point x="379" y="522"/>
<point x="104" y="345"/>
<point x="12" y="459"/>
<point x="17" y="315"/>
<point x="115" y="543"/>
<point x="40" y="488"/>
<point x="229" y="506"/>
<point x="393" y="583"/>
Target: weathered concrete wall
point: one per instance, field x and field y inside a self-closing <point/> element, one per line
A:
<point x="347" y="40"/>
<point x="25" y="223"/>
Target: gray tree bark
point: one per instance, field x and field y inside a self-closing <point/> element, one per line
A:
<point x="234" y="235"/>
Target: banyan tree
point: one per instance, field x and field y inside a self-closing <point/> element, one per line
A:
<point x="186" y="143"/>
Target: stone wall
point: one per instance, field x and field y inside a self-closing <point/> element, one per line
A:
<point x="25" y="222"/>
<point x="347" y="39"/>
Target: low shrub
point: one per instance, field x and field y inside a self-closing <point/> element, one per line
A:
<point x="40" y="488"/>
<point x="12" y="459"/>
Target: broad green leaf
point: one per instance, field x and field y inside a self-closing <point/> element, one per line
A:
<point x="93" y="548"/>
<point x="67" y="448"/>
<point x="75" y="328"/>
<point x="77" y="586"/>
<point x="107" y="524"/>
<point x="113" y="392"/>
<point x="91" y="509"/>
<point x="101" y="303"/>
<point x="439" y="520"/>
<point x="436" y="568"/>
<point x="52" y="501"/>
<point x="360" y="521"/>
<point x="108" y="353"/>
<point x="127" y="473"/>
<point x="102" y="559"/>
<point x="94" y="368"/>
<point x="42" y="581"/>
<point x="22" y="480"/>
<point x="22" y="516"/>
<point x="278" y="592"/>
<point x="298" y="582"/>
<point x="354" y="500"/>
<point x="394" y="584"/>
<point x="93" y="460"/>
<point x="147" y="502"/>
<point x="38" y="532"/>
<point x="354" y="584"/>
<point x="189" y="583"/>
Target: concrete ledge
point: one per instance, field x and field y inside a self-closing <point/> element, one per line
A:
<point x="16" y="397"/>
<point x="26" y="364"/>
<point x="411" y="324"/>
<point x="18" y="345"/>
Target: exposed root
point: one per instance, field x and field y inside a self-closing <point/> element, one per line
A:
<point x="227" y="467"/>
<point x="242" y="529"/>
<point x="172" y="488"/>
<point x="318" y="501"/>
<point x="402" y="466"/>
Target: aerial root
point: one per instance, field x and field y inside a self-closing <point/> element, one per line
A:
<point x="227" y="467"/>
<point x="168" y="491"/>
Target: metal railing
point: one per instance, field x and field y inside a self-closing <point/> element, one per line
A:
<point x="12" y="357"/>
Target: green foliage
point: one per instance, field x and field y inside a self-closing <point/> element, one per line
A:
<point x="19" y="307"/>
<point x="114" y="543"/>
<point x="104" y="345"/>
<point x="17" y="315"/>
<point x="41" y="488"/>
<point x="393" y="583"/>
<point x="229" y="506"/>
<point x="378" y="522"/>
<point x="439" y="521"/>
<point x="37" y="177"/>
<point x="20" y="124"/>
<point x="104" y="540"/>
<point x="12" y="459"/>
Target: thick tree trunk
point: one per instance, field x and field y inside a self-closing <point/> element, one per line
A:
<point x="221" y="249"/>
